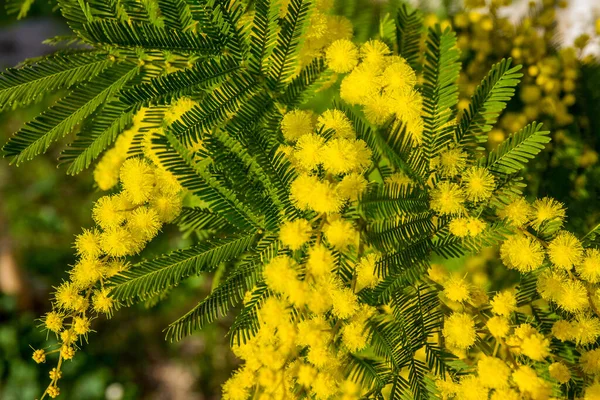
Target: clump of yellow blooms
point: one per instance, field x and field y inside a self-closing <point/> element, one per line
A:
<point x="383" y="84"/>
<point x="330" y="170"/>
<point x="149" y="197"/>
<point x="312" y="318"/>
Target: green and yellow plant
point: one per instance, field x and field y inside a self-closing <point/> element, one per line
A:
<point x="325" y="227"/>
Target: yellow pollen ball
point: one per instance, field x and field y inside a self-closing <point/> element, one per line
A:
<point x="547" y="210"/>
<point x="589" y="268"/>
<point x="498" y="326"/>
<point x="294" y="234"/>
<point x="102" y="302"/>
<point x="167" y="207"/>
<point x="53" y="321"/>
<point x="560" y="372"/>
<point x="342" y="56"/>
<point x="337" y="121"/>
<point x="340" y="233"/>
<point x="452" y="161"/>
<point x="521" y="253"/>
<point x="565" y="250"/>
<point x="517" y="212"/>
<point x="144" y="222"/>
<point x="352" y="186"/>
<point x="309" y="193"/>
<point x="456" y="289"/>
<point x="447" y="198"/>
<point x="86" y="272"/>
<point x="479" y="184"/>
<point x="138" y="180"/>
<point x="297" y="123"/>
<point x="107" y="212"/>
<point x="87" y="244"/>
<point x="309" y="151"/>
<point x="493" y="372"/>
<point x="459" y="330"/>
<point x="504" y="303"/>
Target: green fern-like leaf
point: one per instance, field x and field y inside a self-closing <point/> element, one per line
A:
<point x="409" y="29"/>
<point x="488" y="101"/>
<point x="71" y="110"/>
<point x="22" y="86"/>
<point x="150" y="277"/>
<point x="513" y="153"/>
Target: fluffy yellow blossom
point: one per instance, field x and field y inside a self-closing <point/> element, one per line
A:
<point x="498" y="326"/>
<point x="68" y="298"/>
<point x="456" y="289"/>
<point x="279" y="273"/>
<point x="81" y="325"/>
<point x="309" y="151"/>
<point x="137" y="178"/>
<point x="585" y="329"/>
<point x="471" y="388"/>
<point x="475" y="226"/>
<point x="522" y="253"/>
<point x="479" y="184"/>
<point x="86" y="272"/>
<point x="563" y="330"/>
<point x="560" y="372"/>
<point x="87" y="244"/>
<point x="565" y="250"/>
<point x="535" y="346"/>
<point x="340" y="233"/>
<point x="119" y="242"/>
<point x="493" y="372"/>
<point x="323" y="386"/>
<point x="294" y="234"/>
<point x="144" y="223"/>
<point x="107" y="212"/>
<point x="53" y="321"/>
<point x="67" y="352"/>
<point x="399" y="76"/>
<point x="572" y="296"/>
<point x="592" y="392"/>
<point x="320" y="261"/>
<point x="459" y="330"/>
<point x="589" y="268"/>
<point x="547" y="210"/>
<point x="341" y="156"/>
<point x="505" y="394"/>
<point x="361" y="84"/>
<point x="167" y="206"/>
<point x="352" y="186"/>
<point x="549" y="284"/>
<point x="504" y="303"/>
<point x="517" y="212"/>
<point x="531" y="384"/>
<point x="296" y="124"/>
<point x="373" y="53"/>
<point x="102" y="302"/>
<point x="345" y="303"/>
<point x="306" y="374"/>
<point x="459" y="227"/>
<point x="447" y="198"/>
<point x="337" y="121"/>
<point x="452" y="162"/>
<point x="308" y="192"/>
<point x="354" y="336"/>
<point x="590" y="361"/>
<point x="365" y="272"/>
<point x="342" y="56"/>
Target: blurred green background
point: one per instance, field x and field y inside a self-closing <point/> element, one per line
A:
<point x="41" y="209"/>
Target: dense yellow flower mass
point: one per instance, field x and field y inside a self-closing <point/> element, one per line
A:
<point x="126" y="222"/>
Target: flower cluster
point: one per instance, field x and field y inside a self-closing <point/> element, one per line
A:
<point x="126" y="221"/>
<point x="330" y="170"/>
<point x="382" y="83"/>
